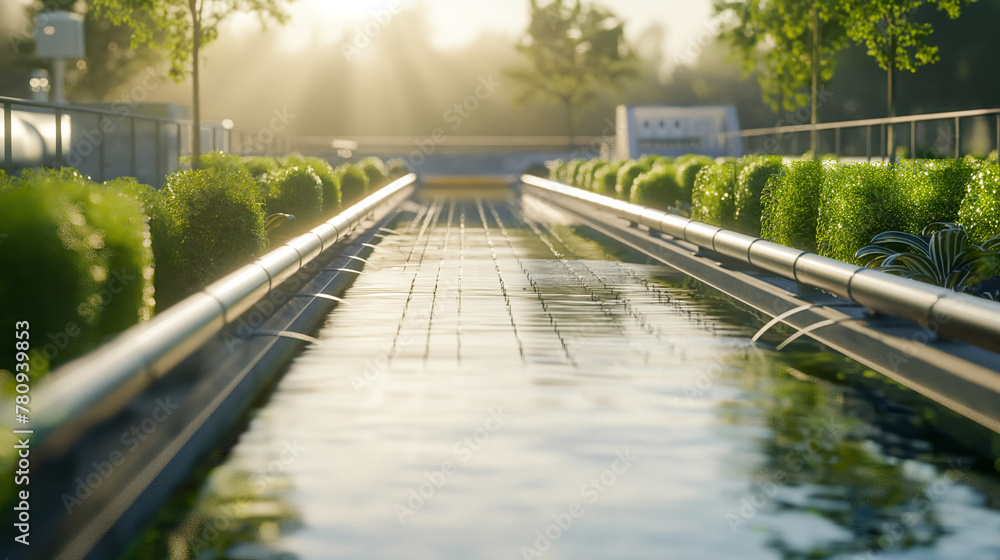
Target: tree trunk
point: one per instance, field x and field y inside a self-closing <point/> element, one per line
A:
<point x="814" y="101"/>
<point x="196" y="94"/>
<point x="891" y="101"/>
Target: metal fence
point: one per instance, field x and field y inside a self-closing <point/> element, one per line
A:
<point x="929" y="135"/>
<point x="109" y="143"/>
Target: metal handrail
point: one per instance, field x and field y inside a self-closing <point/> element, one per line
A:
<point x="84" y="109"/>
<point x="946" y="312"/>
<point x="863" y="122"/>
<point x="232" y="140"/>
<point x="883" y="122"/>
<point x="81" y="393"/>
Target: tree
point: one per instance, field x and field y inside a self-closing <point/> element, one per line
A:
<point x="573" y="50"/>
<point x="181" y="28"/>
<point x="791" y="44"/>
<point x="895" y="40"/>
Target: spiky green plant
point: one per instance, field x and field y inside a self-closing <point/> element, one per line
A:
<point x="943" y="255"/>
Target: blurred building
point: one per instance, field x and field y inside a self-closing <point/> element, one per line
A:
<point x="672" y="130"/>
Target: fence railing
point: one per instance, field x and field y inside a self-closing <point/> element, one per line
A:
<point x="107" y="143"/>
<point x="945" y="140"/>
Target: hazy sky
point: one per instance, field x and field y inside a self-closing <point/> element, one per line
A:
<point x="456" y="22"/>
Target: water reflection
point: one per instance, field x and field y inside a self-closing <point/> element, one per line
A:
<point x="485" y="307"/>
<point x="871" y="492"/>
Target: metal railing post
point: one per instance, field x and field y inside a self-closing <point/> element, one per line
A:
<point x="881" y="139"/>
<point x="913" y="139"/>
<point x="132" y="156"/>
<point x="998" y="138"/>
<point x="159" y="156"/>
<point x="958" y="140"/>
<point x="868" y="141"/>
<point x="8" y="135"/>
<point x="100" y="146"/>
<point x="836" y="142"/>
<point x="59" y="137"/>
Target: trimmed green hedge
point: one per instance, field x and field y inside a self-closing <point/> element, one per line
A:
<point x="396" y="168"/>
<point x="555" y="168"/>
<point x="77" y="262"/>
<point x="934" y="189"/>
<point x="52" y="274"/>
<point x="330" y="186"/>
<point x="589" y="171"/>
<point x="980" y="211"/>
<point x="258" y="166"/>
<point x="353" y="183"/>
<point x="816" y="205"/>
<point x="606" y="178"/>
<point x="218" y="160"/>
<point x="649" y="160"/>
<point x="755" y="172"/>
<point x="626" y="178"/>
<point x="118" y="209"/>
<point x="789" y="208"/>
<point x="656" y="188"/>
<point x="206" y="224"/>
<point x="687" y="171"/>
<point x="375" y="171"/>
<point x="297" y="191"/>
<point x="857" y="202"/>
<point x="712" y="196"/>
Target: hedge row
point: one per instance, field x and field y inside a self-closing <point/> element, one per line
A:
<point x="77" y="262"/>
<point x="79" y="257"/>
<point x="836" y="209"/>
<point x="823" y="206"/>
<point x="308" y="187"/>
<point x="246" y="191"/>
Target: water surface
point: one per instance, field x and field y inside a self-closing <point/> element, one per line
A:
<point x="502" y="385"/>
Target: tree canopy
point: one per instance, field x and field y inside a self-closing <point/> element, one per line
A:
<point x="791" y="45"/>
<point x="573" y="50"/>
<point x="889" y="29"/>
<point x="774" y="39"/>
<point x="180" y="28"/>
